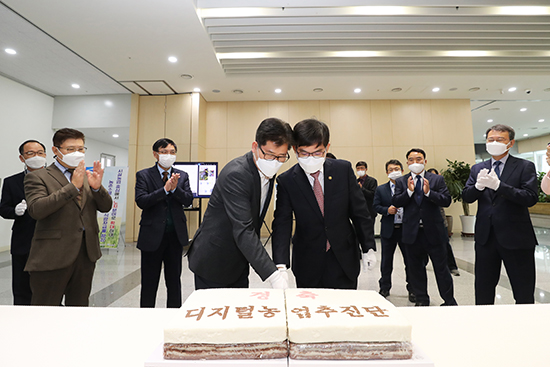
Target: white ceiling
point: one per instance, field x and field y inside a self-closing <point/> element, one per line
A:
<point x="117" y="46"/>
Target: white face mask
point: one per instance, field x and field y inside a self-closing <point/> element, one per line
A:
<point x="167" y="160"/>
<point x="72" y="159"/>
<point x="394" y="175"/>
<point x="268" y="168"/>
<point x="361" y="173"/>
<point x="495" y="148"/>
<point x="416" y="167"/>
<point x="311" y="164"/>
<point x="36" y="162"/>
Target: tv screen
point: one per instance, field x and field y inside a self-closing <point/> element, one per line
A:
<point x="202" y="176"/>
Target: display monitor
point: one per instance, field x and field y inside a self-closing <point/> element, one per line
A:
<point x="202" y="176"/>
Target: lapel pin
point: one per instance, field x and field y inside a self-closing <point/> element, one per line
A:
<point x="330" y="177"/>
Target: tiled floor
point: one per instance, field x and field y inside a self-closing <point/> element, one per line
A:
<point x="117" y="277"/>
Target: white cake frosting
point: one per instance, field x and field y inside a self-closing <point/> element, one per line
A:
<point x="225" y="316"/>
<point x="330" y="315"/>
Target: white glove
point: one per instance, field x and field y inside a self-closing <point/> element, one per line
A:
<point x="479" y="183"/>
<point x="20" y="208"/>
<point x="278" y="280"/>
<point x="369" y="260"/>
<point x="282" y="270"/>
<point x="490" y="181"/>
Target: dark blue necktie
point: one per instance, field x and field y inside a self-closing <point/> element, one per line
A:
<point x="497" y="167"/>
<point x="418" y="192"/>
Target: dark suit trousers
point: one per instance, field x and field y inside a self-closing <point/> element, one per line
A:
<point x="386" y="264"/>
<point x="417" y="265"/>
<point x="519" y="265"/>
<point x="170" y="253"/>
<point x="75" y="282"/>
<point x="333" y="276"/>
<point x="241" y="282"/>
<point x="20" y="285"/>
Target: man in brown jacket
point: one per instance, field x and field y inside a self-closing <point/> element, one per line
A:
<point x="64" y="199"/>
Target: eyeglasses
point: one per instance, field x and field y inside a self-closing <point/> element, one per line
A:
<point x="31" y="154"/>
<point x="272" y="157"/>
<point x="70" y="150"/>
<point x="500" y="140"/>
<point x="304" y="154"/>
<point x="162" y="151"/>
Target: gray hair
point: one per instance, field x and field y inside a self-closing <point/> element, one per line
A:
<point x="502" y="128"/>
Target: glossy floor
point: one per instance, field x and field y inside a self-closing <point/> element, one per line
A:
<point x="117" y="277"/>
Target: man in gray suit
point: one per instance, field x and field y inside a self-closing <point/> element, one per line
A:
<point x="228" y="240"/>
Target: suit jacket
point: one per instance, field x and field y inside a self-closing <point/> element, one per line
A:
<point x="381" y="203"/>
<point x="428" y="210"/>
<point x="368" y="189"/>
<point x="343" y="201"/>
<point x="228" y="239"/>
<point x="506" y="208"/>
<point x="60" y="219"/>
<point x="13" y="192"/>
<point x="153" y="201"/>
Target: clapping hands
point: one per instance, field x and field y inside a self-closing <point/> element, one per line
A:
<point x="486" y="178"/>
<point x="172" y="183"/>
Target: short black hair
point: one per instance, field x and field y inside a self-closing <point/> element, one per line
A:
<point x="361" y="163"/>
<point x="275" y="130"/>
<point x="433" y="170"/>
<point x="394" y="162"/>
<point x="330" y="155"/>
<point x="311" y="132"/>
<point x="502" y="128"/>
<point x="22" y="146"/>
<point x="64" y="134"/>
<point x="417" y="150"/>
<point x="163" y="143"/>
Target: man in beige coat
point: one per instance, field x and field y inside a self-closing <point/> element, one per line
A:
<point x="64" y="199"/>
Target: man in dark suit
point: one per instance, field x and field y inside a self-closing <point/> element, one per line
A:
<point x="64" y="199"/>
<point x="391" y="229"/>
<point x="368" y="186"/>
<point x="323" y="196"/>
<point x="162" y="192"/>
<point x="14" y="206"/>
<point x="228" y="241"/>
<point x="420" y="194"/>
<point x="504" y="187"/>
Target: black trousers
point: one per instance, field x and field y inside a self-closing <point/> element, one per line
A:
<point x="333" y="276"/>
<point x="451" y="261"/>
<point x="386" y="263"/>
<point x="241" y="282"/>
<point x="437" y="253"/>
<point x="170" y="254"/>
<point x="519" y="265"/>
<point x="20" y="284"/>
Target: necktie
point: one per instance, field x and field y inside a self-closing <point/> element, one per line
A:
<point x="418" y="191"/>
<point x="79" y="196"/>
<point x="318" y="191"/>
<point x="164" y="176"/>
<point x="496" y="165"/>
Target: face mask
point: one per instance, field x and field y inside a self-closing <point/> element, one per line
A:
<point x="36" y="162"/>
<point x="167" y="160"/>
<point x="495" y="148"/>
<point x="416" y="167"/>
<point x="311" y="164"/>
<point x="361" y="173"/>
<point x="268" y="168"/>
<point x="395" y="175"/>
<point x="72" y="159"/>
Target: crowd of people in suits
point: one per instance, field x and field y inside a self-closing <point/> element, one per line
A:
<point x="323" y="226"/>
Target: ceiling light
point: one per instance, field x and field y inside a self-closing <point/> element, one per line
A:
<point x="397" y="89"/>
<point x="379" y="10"/>
<point x="353" y="54"/>
<point x="75" y="86"/>
<point x="525" y="134"/>
<point x="357" y="90"/>
<point x="512" y="89"/>
<point x="453" y="89"/>
<point x="523" y="109"/>
<point x="173" y="59"/>
<point x="541" y="120"/>
<point x="474" y="89"/>
<point x="115" y="135"/>
<point x="318" y="90"/>
<point x="196" y="90"/>
<point x="436" y="89"/>
<point x="490" y="120"/>
<point x="278" y="90"/>
<point x="108" y="103"/>
<point x="10" y="51"/>
<point x="186" y="76"/>
<point x="466" y="53"/>
<point x="523" y="10"/>
<point x="216" y="91"/>
<point x="242" y="55"/>
<point x="238" y="91"/>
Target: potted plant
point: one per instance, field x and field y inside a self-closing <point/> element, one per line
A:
<point x="455" y="176"/>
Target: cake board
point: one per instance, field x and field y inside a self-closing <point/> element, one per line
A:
<point x="156" y="359"/>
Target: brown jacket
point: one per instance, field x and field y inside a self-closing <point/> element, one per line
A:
<point x="52" y="201"/>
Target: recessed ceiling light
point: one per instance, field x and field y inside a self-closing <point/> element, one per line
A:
<point x="474" y="89"/>
<point x="523" y="109"/>
<point x="75" y="86"/>
<point x="436" y="89"/>
<point x="115" y="135"/>
<point x="318" y="90"/>
<point x="108" y="103"/>
<point x="278" y="90"/>
<point x="541" y="120"/>
<point x="525" y="134"/>
<point x="397" y="89"/>
<point x="196" y="89"/>
<point x="216" y="91"/>
<point x="173" y="59"/>
<point x="490" y="120"/>
<point x="357" y="90"/>
<point x="512" y="89"/>
<point x="238" y="91"/>
<point x="10" y="51"/>
<point x="453" y="89"/>
<point x="466" y="53"/>
<point x="186" y="76"/>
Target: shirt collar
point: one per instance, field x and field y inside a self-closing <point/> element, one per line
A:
<point x="502" y="160"/>
<point x="61" y="167"/>
<point x="422" y="174"/>
<point x="161" y="170"/>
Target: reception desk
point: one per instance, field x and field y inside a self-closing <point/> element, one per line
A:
<point x="464" y="336"/>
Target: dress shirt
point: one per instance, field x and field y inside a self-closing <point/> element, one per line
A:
<point x="264" y="185"/>
<point x="502" y="161"/>
<point x="413" y="175"/>
<point x="161" y="170"/>
<point x="321" y="179"/>
<point x="398" y="217"/>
